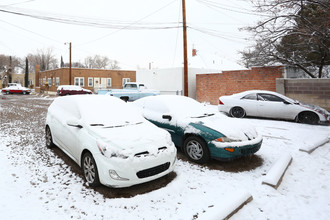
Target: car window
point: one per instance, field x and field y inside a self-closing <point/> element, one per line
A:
<point x="130" y="86"/>
<point x="271" y="98"/>
<point x="70" y="108"/>
<point x="252" y="96"/>
<point x="156" y="106"/>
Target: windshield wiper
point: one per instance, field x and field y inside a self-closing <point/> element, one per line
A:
<point x="203" y="116"/>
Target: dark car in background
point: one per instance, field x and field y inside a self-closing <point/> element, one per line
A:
<point x="72" y="90"/>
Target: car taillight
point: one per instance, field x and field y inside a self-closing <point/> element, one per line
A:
<point x="220" y="102"/>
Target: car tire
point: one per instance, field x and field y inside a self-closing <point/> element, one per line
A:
<point x="24" y="93"/>
<point x="124" y="98"/>
<point x="237" y="112"/>
<point x="49" y="138"/>
<point x="308" y="118"/>
<point x="7" y="92"/>
<point x="196" y="150"/>
<point x="90" y="170"/>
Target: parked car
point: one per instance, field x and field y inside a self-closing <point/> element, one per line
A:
<point x="267" y="104"/>
<point x="72" y="90"/>
<point x="114" y="145"/>
<point x="131" y="92"/>
<point x="200" y="133"/>
<point x="16" y="88"/>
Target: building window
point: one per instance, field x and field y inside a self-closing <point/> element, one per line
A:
<point x="79" y="81"/>
<point x="57" y="81"/>
<point x="108" y="82"/>
<point x="44" y="81"/>
<point x="90" y="81"/>
<point x="49" y="81"/>
<point x="126" y="80"/>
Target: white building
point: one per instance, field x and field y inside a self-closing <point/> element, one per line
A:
<point x="170" y="81"/>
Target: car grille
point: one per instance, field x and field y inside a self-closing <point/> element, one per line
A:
<point x="153" y="171"/>
<point x="145" y="153"/>
<point x="250" y="150"/>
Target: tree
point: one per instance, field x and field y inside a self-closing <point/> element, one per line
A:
<point x="43" y="57"/>
<point x="100" y="62"/>
<point x="295" y="33"/>
<point x="26" y="77"/>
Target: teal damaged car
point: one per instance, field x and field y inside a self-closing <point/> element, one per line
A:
<point x="201" y="133"/>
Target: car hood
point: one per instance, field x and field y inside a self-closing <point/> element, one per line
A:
<point x="233" y="128"/>
<point x="131" y="139"/>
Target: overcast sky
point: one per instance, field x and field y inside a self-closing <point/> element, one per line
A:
<point x="133" y="32"/>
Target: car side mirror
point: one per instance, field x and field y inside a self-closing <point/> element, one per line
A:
<point x="74" y="123"/>
<point x="168" y="117"/>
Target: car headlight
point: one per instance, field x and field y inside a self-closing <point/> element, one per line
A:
<point x="224" y="139"/>
<point x="103" y="148"/>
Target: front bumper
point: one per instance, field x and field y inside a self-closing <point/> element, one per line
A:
<point x="135" y="170"/>
<point x="232" y="150"/>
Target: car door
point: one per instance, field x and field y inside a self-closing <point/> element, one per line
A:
<point x="158" y="113"/>
<point x="273" y="106"/>
<point x="250" y="104"/>
<point x="70" y="134"/>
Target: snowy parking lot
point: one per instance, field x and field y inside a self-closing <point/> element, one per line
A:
<point x="40" y="183"/>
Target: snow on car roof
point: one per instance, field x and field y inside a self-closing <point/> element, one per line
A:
<point x="104" y="110"/>
<point x="179" y="105"/>
<point x="70" y="87"/>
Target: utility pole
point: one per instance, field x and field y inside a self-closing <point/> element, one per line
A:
<point x="70" y="73"/>
<point x="185" y="54"/>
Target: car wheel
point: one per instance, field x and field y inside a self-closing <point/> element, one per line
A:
<point x="49" y="139"/>
<point x="7" y="92"/>
<point x="237" y="112"/>
<point x="24" y="93"/>
<point x="124" y="98"/>
<point x="90" y="170"/>
<point x="196" y="150"/>
<point x="308" y="118"/>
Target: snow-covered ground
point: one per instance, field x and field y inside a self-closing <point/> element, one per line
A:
<point x="37" y="184"/>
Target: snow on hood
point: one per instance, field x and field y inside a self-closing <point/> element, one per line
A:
<point x="232" y="128"/>
<point x="131" y="139"/>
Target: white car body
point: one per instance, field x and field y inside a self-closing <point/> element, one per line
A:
<point x="118" y="138"/>
<point x="267" y="104"/>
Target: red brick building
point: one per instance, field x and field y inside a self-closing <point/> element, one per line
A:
<point x="209" y="87"/>
<point x="91" y="79"/>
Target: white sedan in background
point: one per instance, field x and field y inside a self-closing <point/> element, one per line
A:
<point x="114" y="145"/>
<point x="267" y="104"/>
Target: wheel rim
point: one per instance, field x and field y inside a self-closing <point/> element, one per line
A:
<point x="308" y="118"/>
<point x="238" y="112"/>
<point x="89" y="169"/>
<point x="48" y="137"/>
<point x="194" y="150"/>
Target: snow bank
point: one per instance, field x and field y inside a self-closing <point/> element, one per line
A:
<point x="233" y="202"/>
<point x="312" y="145"/>
<point x="277" y="171"/>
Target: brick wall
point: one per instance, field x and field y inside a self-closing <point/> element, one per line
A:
<point x="63" y="75"/>
<point x="312" y="91"/>
<point x="209" y="87"/>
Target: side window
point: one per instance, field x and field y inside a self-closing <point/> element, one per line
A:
<point x="90" y="81"/>
<point x="126" y="80"/>
<point x="271" y="98"/>
<point x="252" y="96"/>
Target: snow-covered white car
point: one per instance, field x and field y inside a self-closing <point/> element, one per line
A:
<point x="267" y="104"/>
<point x="201" y="133"/>
<point x="72" y="90"/>
<point x="113" y="144"/>
<point x="16" y="88"/>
